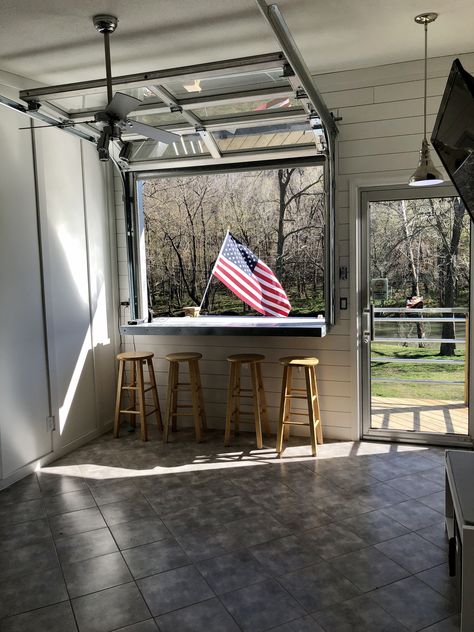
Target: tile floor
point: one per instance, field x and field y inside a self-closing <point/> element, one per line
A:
<point x="122" y="535"/>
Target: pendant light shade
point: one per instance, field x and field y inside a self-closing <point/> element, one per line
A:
<point x="425" y="174"/>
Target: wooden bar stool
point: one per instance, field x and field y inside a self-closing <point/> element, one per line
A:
<point x="137" y="388"/>
<point x="235" y="392"/>
<point x="194" y="385"/>
<point x="309" y="393"/>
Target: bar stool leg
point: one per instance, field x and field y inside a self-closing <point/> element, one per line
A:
<point x="118" y="400"/>
<point x="289" y="381"/>
<point x="317" y="412"/>
<point x="256" y="405"/>
<point x="141" y="399"/>
<point x="133" y="395"/>
<point x="230" y="404"/>
<point x="156" y="401"/>
<point x="174" y="398"/>
<point x="195" y="399"/>
<point x="283" y="404"/>
<point x="201" y="398"/>
<point x="236" y="408"/>
<point x="169" y="401"/>
<point x="312" y="421"/>
<point x="263" y="401"/>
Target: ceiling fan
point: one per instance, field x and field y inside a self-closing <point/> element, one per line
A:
<point x="113" y="120"/>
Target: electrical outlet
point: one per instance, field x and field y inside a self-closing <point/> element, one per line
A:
<point x="343" y="302"/>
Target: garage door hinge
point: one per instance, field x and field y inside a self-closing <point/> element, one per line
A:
<point x="50" y="423"/>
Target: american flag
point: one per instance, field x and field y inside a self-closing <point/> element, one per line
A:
<point x="250" y="279"/>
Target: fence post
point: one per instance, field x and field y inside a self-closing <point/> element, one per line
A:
<point x="466" y="363"/>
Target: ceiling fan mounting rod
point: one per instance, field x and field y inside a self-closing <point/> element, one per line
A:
<point x="106" y="24"/>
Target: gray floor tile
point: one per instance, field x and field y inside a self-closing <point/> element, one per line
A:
<point x="352" y="478"/>
<point x="300" y="516"/>
<point x="56" y="618"/>
<point x="231" y="571"/>
<point x="438" y="578"/>
<point x="114" y="492"/>
<point x="26" y="489"/>
<point x="52" y="484"/>
<point x="436" y="533"/>
<point x="412" y="552"/>
<point x="12" y="514"/>
<point x="70" y="501"/>
<point x="39" y="556"/>
<point x="368" y="569"/>
<point x="203" y="544"/>
<point x="96" y="573"/>
<point x="76" y="522"/>
<point x="156" y="557"/>
<point x="413" y="603"/>
<point x="340" y="506"/>
<point x="412" y="514"/>
<point x="285" y="554"/>
<point x="333" y="540"/>
<point x="374" y="527"/>
<point x="415" y="485"/>
<point x="189" y="519"/>
<point x="23" y="534"/>
<point x="82" y="546"/>
<point x="174" y="589"/>
<point x="126" y="511"/>
<point x="435" y="501"/>
<point x="380" y="495"/>
<point x="437" y="474"/>
<point x="452" y="624"/>
<point x="138" y="532"/>
<point x="360" y="614"/>
<point x="34" y="590"/>
<point x="206" y="616"/>
<point x="143" y="626"/>
<point x="261" y="606"/>
<point x="305" y="624"/>
<point x="318" y="586"/>
<point x="110" y="609"/>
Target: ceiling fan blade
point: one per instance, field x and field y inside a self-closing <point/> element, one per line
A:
<point x="154" y="133"/>
<point x="121" y="106"/>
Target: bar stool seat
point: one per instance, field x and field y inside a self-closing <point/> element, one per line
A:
<point x="256" y="392"/>
<point x="137" y="388"/>
<point x="308" y="393"/>
<point x="194" y="385"/>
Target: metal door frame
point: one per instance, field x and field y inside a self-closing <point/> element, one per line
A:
<point x="383" y="193"/>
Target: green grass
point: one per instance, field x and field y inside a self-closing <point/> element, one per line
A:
<point x="411" y="371"/>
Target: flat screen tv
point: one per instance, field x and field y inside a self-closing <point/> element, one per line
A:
<point x="453" y="133"/>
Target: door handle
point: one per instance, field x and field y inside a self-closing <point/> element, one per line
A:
<point x="369" y="333"/>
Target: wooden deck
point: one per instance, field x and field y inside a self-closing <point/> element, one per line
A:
<point x="421" y="415"/>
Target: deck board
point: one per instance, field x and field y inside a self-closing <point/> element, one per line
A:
<point x="422" y="415"/>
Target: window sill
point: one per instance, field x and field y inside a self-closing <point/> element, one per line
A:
<point x="229" y="326"/>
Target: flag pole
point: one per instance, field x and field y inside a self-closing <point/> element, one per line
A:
<point x="210" y="276"/>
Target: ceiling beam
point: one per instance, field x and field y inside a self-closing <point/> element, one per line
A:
<point x="154" y="106"/>
<point x="199" y="71"/>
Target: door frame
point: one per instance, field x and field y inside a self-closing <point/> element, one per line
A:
<point x="365" y="195"/>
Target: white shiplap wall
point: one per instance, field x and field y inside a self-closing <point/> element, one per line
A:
<point x="380" y="136"/>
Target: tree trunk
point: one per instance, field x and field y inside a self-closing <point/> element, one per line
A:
<point x="449" y="294"/>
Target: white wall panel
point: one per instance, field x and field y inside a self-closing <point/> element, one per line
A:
<point x="67" y="284"/>
<point x="23" y="377"/>
<point x="97" y="179"/>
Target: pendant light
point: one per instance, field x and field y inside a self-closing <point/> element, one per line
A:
<point x="425" y="174"/>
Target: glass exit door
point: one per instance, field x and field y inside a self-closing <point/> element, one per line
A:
<point x="416" y="306"/>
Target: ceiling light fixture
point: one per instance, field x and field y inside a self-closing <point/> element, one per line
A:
<point x="425" y="174"/>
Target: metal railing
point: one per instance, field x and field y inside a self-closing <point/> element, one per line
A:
<point x="414" y="326"/>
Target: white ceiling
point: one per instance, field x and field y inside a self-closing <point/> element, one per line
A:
<point x="54" y="41"/>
